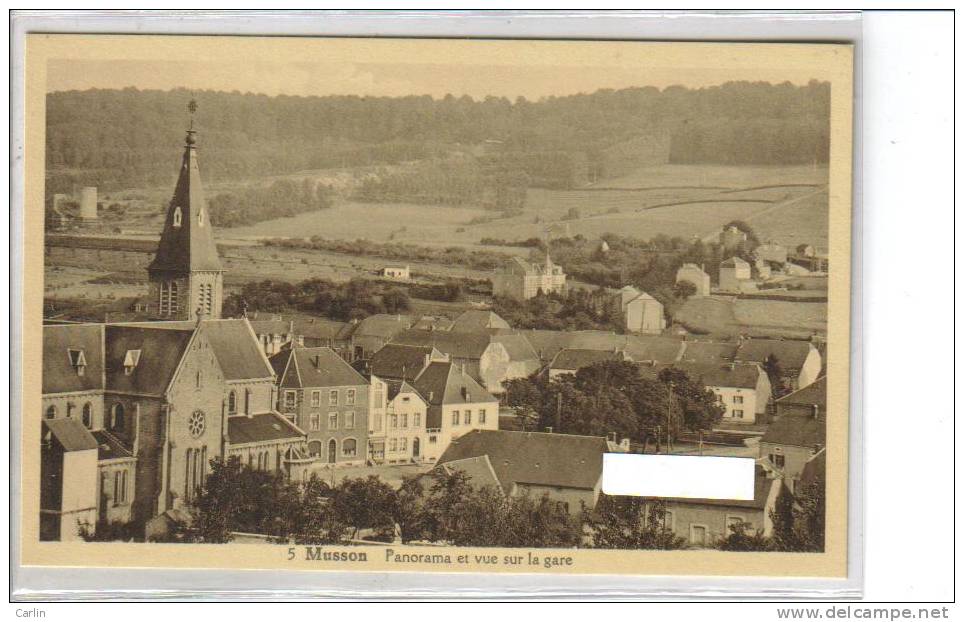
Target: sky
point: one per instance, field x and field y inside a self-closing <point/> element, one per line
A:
<point x="387" y="78"/>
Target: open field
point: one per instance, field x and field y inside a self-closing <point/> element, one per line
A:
<point x="726" y="316"/>
<point x="678" y="200"/>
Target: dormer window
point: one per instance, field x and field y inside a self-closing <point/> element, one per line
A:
<point x="130" y="361"/>
<point x="77" y="360"/>
<point x="177" y="217"/>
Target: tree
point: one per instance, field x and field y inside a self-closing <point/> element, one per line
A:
<point x="631" y="523"/>
<point x="799" y="517"/>
<point x="740" y="539"/>
<point x="699" y="406"/>
<point x="774" y="371"/>
<point x="364" y="504"/>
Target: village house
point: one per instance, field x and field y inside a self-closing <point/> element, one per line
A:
<point x="732" y="238"/>
<point x="276" y="332"/>
<point x="799" y="361"/>
<point x="695" y="276"/>
<point x="324" y="396"/>
<point x="475" y="320"/>
<point x="398" y="361"/>
<point x="566" y="467"/>
<point x="798" y="432"/>
<point x="735" y="274"/>
<point x="372" y="333"/>
<point x="396" y="273"/>
<point x="638" y="311"/>
<point x="522" y="280"/>
<point x="771" y="252"/>
<point x="406" y="418"/>
<point x="703" y="523"/>
<point x="571" y="360"/>
<point x="456" y="404"/>
<point x="660" y="349"/>
<point x="742" y="389"/>
<point x="480" y="354"/>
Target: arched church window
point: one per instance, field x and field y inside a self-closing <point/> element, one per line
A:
<point x="51" y="412"/>
<point x="232" y="403"/>
<point x="117" y="417"/>
<point x="177" y="217"/>
<point x="87" y="415"/>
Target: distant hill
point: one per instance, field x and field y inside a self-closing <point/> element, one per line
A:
<point x="126" y="138"/>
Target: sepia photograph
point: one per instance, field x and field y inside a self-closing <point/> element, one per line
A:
<point x="365" y="304"/>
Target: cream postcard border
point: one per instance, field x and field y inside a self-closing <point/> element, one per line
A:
<point x="830" y="62"/>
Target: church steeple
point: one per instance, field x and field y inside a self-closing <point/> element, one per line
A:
<point x="186" y="273"/>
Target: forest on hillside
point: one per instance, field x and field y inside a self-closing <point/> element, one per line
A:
<point x="126" y="138"/>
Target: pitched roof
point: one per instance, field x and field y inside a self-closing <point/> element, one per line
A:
<point x="791" y="354"/>
<point x="309" y="327"/>
<point x="564" y="460"/>
<point x="798" y="430"/>
<point x="708" y="352"/>
<point x="187" y="241"/>
<point x="70" y="433"/>
<point x="397" y="360"/>
<point x="516" y="345"/>
<point x="161" y="351"/>
<point x="468" y="345"/>
<point x="109" y="447"/>
<point x="59" y="374"/>
<point x="815" y="470"/>
<point x="444" y="383"/>
<point x="260" y="428"/>
<point x="736" y="375"/>
<point x="237" y="349"/>
<point x="477" y="319"/>
<point x="382" y="325"/>
<point x="400" y="386"/>
<point x="314" y="367"/>
<point x="733" y="262"/>
<point x="761" y="492"/>
<point x="814" y="393"/>
<point x="478" y="471"/>
<point x="548" y="343"/>
<point x="575" y="359"/>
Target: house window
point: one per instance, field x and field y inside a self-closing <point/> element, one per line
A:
<point x="232" y="402"/>
<point x="733" y="520"/>
<point x="737" y="399"/>
<point x="468" y="417"/>
<point x="315" y="399"/>
<point x="455" y="417"/>
<point x="698" y="535"/>
<point x="432" y="439"/>
<point x="332" y="421"/>
<point x="379" y="397"/>
<point x="737" y="414"/>
<point x="290" y="399"/>
<point x="403" y="444"/>
<point x="349" y="447"/>
<point x="350" y="396"/>
<point x="393" y="444"/>
<point x="416" y="420"/>
<point x="315" y="421"/>
<point x="393" y="421"/>
<point x="349" y="420"/>
<point x="87" y="415"/>
<point x="669" y="521"/>
<point x="481" y="415"/>
<point x="778" y="460"/>
<point x="376" y="423"/>
<point x="333" y="397"/>
<point x="405" y="420"/>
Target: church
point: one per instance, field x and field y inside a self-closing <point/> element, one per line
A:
<point x="132" y="413"/>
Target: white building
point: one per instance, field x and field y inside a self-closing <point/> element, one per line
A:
<point x="522" y="280"/>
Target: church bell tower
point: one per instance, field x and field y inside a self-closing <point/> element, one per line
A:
<point x="186" y="277"/>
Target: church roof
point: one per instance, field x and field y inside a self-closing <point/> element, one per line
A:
<point x="187" y="242"/>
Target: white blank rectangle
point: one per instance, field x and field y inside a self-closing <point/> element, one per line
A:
<point x="692" y="477"/>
